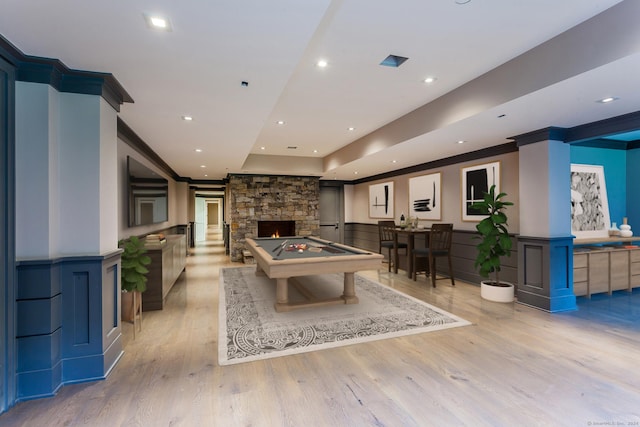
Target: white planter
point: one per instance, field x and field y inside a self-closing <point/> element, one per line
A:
<point x="500" y="293"/>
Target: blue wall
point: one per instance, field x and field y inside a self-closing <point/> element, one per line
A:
<point x="633" y="190"/>
<point x="615" y="176"/>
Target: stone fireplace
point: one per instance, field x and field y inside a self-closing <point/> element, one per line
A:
<point x="257" y="198"/>
<point x="276" y="228"/>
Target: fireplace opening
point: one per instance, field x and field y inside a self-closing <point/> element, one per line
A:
<point x="276" y="228"/>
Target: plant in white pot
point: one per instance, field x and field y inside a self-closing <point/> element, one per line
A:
<point x="495" y="243"/>
<point x="133" y="276"/>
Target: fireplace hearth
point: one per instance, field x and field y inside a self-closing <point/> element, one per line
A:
<point x="276" y="228"/>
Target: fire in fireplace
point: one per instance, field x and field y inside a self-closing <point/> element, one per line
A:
<point x="276" y="228"/>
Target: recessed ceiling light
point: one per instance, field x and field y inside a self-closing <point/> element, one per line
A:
<point x="198" y="150"/>
<point x="607" y="100"/>
<point x="461" y="141"/>
<point x="280" y="122"/>
<point x="315" y="151"/>
<point x="187" y="118"/>
<point x="157" y="22"/>
<point x="202" y="166"/>
<point x="206" y="174"/>
<point x="355" y="173"/>
<point x="322" y="63"/>
<point x="263" y="148"/>
<point x="394" y="161"/>
<point x="430" y="80"/>
<point x="351" y="129"/>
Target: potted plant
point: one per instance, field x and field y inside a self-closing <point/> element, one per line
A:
<point x="133" y="276"/>
<point x="495" y="243"/>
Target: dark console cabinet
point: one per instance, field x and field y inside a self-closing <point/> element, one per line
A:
<point x="168" y="261"/>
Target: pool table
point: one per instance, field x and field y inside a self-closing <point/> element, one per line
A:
<point x="282" y="258"/>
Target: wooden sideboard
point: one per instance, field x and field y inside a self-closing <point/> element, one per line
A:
<point x="168" y="260"/>
<point x="607" y="268"/>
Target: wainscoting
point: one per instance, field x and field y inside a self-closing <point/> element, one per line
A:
<point x="68" y="323"/>
<point x="463" y="252"/>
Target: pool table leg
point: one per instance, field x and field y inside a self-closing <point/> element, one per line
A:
<point x="282" y="292"/>
<point x="349" y="293"/>
<point x="260" y="271"/>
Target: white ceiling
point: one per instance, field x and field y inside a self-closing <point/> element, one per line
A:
<point x="197" y="69"/>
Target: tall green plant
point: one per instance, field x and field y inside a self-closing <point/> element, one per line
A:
<point x="494" y="234"/>
<point x="134" y="260"/>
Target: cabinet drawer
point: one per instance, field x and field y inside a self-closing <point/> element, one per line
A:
<point x="580" y="275"/>
<point x="580" y="288"/>
<point x="635" y="281"/>
<point x="580" y="260"/>
<point x="635" y="255"/>
<point x="635" y="268"/>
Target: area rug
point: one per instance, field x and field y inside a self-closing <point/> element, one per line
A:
<point x="250" y="329"/>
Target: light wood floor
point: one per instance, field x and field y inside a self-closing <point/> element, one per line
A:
<point x="515" y="366"/>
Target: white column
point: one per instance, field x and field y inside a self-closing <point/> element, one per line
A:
<point x="66" y="173"/>
<point x="545" y="170"/>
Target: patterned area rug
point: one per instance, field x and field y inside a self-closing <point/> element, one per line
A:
<point x="250" y="328"/>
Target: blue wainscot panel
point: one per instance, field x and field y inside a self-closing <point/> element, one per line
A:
<point x="68" y="322"/>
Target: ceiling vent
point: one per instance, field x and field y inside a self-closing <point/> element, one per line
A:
<point x="393" y="61"/>
<point x="291" y="147"/>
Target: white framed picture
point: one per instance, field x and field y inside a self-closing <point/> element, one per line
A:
<point x="381" y="199"/>
<point x="589" y="203"/>
<point x="425" y="197"/>
<point x="475" y="181"/>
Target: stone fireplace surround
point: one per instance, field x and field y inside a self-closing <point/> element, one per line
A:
<point x="254" y="198"/>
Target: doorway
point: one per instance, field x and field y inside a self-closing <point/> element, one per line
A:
<point x="331" y="212"/>
<point x="209" y="216"/>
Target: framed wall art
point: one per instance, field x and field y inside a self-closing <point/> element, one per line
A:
<point x="475" y="181"/>
<point x="425" y="197"/>
<point x="381" y="200"/>
<point x="589" y="203"/>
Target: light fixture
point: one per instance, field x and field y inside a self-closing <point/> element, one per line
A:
<point x="157" y="22"/>
<point x="394" y="161"/>
<point x="355" y="173"/>
<point x="198" y="150"/>
<point x="315" y="151"/>
<point x="460" y="141"/>
<point x="607" y="100"/>
<point x="351" y="129"/>
<point x="263" y="148"/>
<point x="322" y="63"/>
<point x="280" y="122"/>
<point x="429" y="80"/>
<point x="202" y="166"/>
<point x="187" y="118"/>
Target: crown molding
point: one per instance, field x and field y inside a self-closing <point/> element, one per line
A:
<point x="56" y="74"/>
